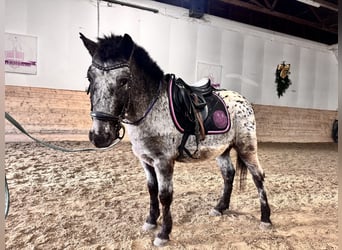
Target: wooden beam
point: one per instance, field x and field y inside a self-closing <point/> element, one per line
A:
<point x="274" y="4"/>
<point x="257" y="3"/>
<point x="327" y="5"/>
<point x="279" y="15"/>
<point x="269" y="6"/>
<point x="330" y="20"/>
<point x="313" y="10"/>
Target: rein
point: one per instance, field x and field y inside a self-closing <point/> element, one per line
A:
<point x="16" y="124"/>
<point x="148" y="110"/>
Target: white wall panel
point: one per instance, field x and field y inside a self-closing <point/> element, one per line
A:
<point x="306" y="78"/>
<point x="156" y="39"/>
<point x="182" y="52"/>
<point x="248" y="55"/>
<point x="51" y="26"/>
<point x="78" y="57"/>
<point x="232" y="47"/>
<point x="16" y="16"/>
<point x="119" y="20"/>
<point x="208" y="44"/>
<point x="333" y="84"/>
<point x="252" y="68"/>
<point x="208" y="53"/>
<point x="322" y="80"/>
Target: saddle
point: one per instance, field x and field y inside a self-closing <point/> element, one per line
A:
<point x="196" y="110"/>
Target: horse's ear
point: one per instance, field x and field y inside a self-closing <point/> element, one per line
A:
<point x="127" y="45"/>
<point x="89" y="44"/>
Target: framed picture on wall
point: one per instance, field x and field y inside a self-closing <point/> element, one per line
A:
<point x="20" y="54"/>
<point x="211" y="71"/>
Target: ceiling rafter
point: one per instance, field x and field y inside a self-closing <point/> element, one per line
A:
<point x="327" y="5"/>
<point x="257" y="3"/>
<point x="269" y="6"/>
<point x="290" y="17"/>
<point x="314" y="12"/>
<point x="274" y="4"/>
<point x="294" y="19"/>
<point x="330" y="20"/>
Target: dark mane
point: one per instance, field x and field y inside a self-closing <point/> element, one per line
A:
<point x="145" y="62"/>
<point x="120" y="48"/>
<point x="109" y="48"/>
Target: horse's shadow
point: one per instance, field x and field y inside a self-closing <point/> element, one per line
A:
<point x="236" y="214"/>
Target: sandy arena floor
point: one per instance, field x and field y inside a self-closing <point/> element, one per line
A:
<point x="100" y="200"/>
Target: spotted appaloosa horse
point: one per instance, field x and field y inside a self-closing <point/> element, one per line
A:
<point x="127" y="86"/>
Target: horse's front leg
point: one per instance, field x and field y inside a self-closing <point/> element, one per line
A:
<point x="164" y="174"/>
<point x="152" y="185"/>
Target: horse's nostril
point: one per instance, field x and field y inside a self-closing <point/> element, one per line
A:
<point x="100" y="140"/>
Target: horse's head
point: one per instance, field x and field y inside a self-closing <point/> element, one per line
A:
<point x="109" y="80"/>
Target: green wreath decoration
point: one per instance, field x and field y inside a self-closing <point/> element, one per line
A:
<point x="282" y="79"/>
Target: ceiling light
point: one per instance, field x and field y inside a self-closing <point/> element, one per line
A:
<point x="310" y="2"/>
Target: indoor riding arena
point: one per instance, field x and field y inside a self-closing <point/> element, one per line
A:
<point x="98" y="199"/>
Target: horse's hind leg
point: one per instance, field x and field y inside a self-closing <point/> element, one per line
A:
<point x="248" y="158"/>
<point x="228" y="172"/>
<point x="152" y="185"/>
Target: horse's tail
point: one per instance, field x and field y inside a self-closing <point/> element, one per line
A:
<point x="242" y="169"/>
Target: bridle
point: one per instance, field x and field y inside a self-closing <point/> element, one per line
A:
<point x="110" y="67"/>
<point x="103" y="116"/>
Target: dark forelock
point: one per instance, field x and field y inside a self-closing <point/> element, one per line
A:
<point x="111" y="48"/>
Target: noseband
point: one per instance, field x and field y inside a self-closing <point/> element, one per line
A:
<point x="102" y="116"/>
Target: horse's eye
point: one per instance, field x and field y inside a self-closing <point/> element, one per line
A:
<point x="122" y="81"/>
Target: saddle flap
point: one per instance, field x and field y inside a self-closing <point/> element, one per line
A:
<point x="214" y="114"/>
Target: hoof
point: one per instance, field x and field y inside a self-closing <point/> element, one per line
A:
<point x="214" y="212"/>
<point x="148" y="226"/>
<point x="265" y="226"/>
<point x="159" y="242"/>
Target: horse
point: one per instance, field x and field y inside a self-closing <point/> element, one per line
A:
<point x="126" y="86"/>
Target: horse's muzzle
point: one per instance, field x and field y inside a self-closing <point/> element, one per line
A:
<point x="103" y="134"/>
<point x="100" y="140"/>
